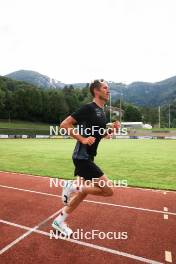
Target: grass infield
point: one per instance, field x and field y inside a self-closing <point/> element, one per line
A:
<point x="4" y="123"/>
<point x="16" y="127"/>
<point x="144" y="163"/>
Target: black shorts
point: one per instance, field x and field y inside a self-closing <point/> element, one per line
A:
<point x="87" y="169"/>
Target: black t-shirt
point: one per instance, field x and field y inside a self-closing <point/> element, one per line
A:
<point x="87" y="117"/>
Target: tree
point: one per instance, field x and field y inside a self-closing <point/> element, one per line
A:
<point x="2" y="101"/>
<point x="150" y="115"/>
<point x="71" y="98"/>
<point x="55" y="107"/>
<point x="132" y="114"/>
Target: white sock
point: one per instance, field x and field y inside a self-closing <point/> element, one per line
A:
<point x="76" y="187"/>
<point x="61" y="217"/>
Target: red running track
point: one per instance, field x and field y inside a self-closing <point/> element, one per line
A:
<point x="29" y="204"/>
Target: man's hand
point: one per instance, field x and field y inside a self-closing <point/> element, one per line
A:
<point x="112" y="129"/>
<point x="116" y="124"/>
<point x="88" y="141"/>
<point x="109" y="136"/>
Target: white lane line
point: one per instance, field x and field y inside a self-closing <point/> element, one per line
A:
<point x="129" y="187"/>
<point x="168" y="256"/>
<point x="130" y="207"/>
<point x="31" y="191"/>
<point x="27" y="233"/>
<point x="91" y="201"/>
<point x="166" y="215"/>
<point x="28" y="175"/>
<point x="86" y="244"/>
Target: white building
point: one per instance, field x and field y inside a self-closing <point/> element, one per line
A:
<point x="136" y="125"/>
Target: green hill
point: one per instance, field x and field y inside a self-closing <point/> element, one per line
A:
<point x="35" y="78"/>
<point x="138" y="93"/>
<point x="146" y="94"/>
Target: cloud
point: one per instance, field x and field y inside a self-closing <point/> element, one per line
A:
<point x="120" y="40"/>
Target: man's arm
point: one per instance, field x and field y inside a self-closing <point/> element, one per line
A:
<point x="112" y="129"/>
<point x="68" y="124"/>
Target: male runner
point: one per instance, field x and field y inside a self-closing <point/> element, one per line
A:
<point x="89" y="116"/>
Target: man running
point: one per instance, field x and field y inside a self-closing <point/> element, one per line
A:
<point x="92" y="119"/>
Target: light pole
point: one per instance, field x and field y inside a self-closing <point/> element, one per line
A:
<point x="110" y="107"/>
<point x="159" y="116"/>
<point x="120" y="106"/>
<point x="169" y="117"/>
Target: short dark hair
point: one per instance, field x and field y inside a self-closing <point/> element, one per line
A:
<point x="95" y="85"/>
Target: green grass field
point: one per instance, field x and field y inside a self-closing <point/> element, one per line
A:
<point x="23" y="127"/>
<point x="4" y="123"/>
<point x="145" y="163"/>
<point x="18" y="127"/>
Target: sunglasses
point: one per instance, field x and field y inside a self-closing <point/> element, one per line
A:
<point x="98" y="81"/>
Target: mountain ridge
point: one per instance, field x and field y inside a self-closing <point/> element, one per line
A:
<point x="35" y="78"/>
<point x="139" y="93"/>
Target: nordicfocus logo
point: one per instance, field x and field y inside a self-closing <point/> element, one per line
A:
<point x="55" y="182"/>
<point x="79" y="234"/>
<point x="80" y="130"/>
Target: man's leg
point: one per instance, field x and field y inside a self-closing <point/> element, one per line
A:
<point x="101" y="187"/>
<point x="59" y="222"/>
<point x="74" y="202"/>
<point x="93" y="188"/>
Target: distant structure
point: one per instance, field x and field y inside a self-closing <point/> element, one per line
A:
<point x="115" y="110"/>
<point x="136" y="125"/>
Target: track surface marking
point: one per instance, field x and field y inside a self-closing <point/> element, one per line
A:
<point x="26" y="201"/>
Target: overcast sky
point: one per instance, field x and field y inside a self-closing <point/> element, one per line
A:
<point x="80" y="40"/>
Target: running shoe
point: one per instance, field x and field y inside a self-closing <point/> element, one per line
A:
<point x="62" y="228"/>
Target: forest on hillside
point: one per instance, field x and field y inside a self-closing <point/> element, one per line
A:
<point x="24" y="101"/>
